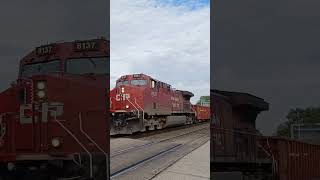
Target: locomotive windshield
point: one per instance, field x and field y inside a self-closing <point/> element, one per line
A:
<point x="139" y="82"/>
<point x="29" y="70"/>
<point x="88" y="65"/>
<point x="135" y="82"/>
<point x="119" y="83"/>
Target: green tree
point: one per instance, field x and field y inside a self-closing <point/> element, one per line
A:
<point x="298" y="115"/>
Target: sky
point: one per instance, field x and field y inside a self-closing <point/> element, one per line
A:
<point x="27" y="24"/>
<point x="269" y="49"/>
<point x="168" y="40"/>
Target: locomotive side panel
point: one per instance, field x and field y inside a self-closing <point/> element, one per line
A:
<point x="157" y="101"/>
<point x="221" y="129"/>
<point x="176" y="102"/>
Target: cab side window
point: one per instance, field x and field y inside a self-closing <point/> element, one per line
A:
<point x="153" y="83"/>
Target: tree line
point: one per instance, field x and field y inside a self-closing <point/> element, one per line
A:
<point x="298" y="115"/>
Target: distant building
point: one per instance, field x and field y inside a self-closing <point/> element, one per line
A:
<point x="309" y="133"/>
<point x="204" y="101"/>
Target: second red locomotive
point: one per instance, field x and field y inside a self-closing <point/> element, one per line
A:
<point x="140" y="102"/>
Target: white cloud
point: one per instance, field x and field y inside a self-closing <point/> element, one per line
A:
<point x="170" y="43"/>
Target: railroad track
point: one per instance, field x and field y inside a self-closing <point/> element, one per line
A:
<point x="139" y="135"/>
<point x="131" y="167"/>
<point x="157" y="140"/>
<point x="170" y="155"/>
<point x="175" y="147"/>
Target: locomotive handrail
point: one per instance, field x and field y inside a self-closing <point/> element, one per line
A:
<point x="75" y="138"/>
<point x="131" y="104"/>
<point x="134" y="106"/>
<point x="142" y="122"/>
<point x="259" y="145"/>
<point x="274" y="162"/>
<point x="270" y="154"/>
<point x="75" y="161"/>
<point x="83" y="132"/>
<point x="135" y="100"/>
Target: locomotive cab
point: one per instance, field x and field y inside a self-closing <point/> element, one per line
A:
<point x="54" y="116"/>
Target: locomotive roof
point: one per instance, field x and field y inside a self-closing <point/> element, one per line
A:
<point x="70" y="42"/>
<point x="68" y="45"/>
<point x="184" y="93"/>
<point x="143" y="75"/>
<point x="240" y="99"/>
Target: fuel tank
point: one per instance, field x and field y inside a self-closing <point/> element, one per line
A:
<point x="175" y="121"/>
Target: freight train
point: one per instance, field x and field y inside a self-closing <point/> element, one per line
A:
<point x="53" y="118"/>
<point x="140" y="102"/>
<point x="236" y="145"/>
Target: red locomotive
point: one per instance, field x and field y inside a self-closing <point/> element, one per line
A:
<point x="53" y="119"/>
<point x="140" y="102"/>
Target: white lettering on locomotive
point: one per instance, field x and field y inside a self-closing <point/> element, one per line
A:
<point x="86" y="45"/>
<point x="44" y="50"/>
<point x="122" y="97"/>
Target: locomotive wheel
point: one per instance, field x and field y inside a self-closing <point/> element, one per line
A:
<point x="159" y="126"/>
<point x="151" y="128"/>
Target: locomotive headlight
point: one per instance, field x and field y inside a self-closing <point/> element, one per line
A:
<point x="41" y="94"/>
<point x="41" y="85"/>
<point x="127" y="106"/>
<point x="122" y="89"/>
<point x="55" y="142"/>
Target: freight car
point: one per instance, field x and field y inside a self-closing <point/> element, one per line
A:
<point x="202" y="113"/>
<point x="140" y="102"/>
<point x="53" y="118"/>
<point x="292" y="160"/>
<point x="233" y="134"/>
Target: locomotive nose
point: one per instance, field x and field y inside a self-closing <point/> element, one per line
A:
<point x="120" y="121"/>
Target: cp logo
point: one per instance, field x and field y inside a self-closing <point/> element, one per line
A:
<point x="122" y="97"/>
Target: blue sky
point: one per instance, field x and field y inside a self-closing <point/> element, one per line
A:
<point x="168" y="40"/>
<point x="193" y="4"/>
